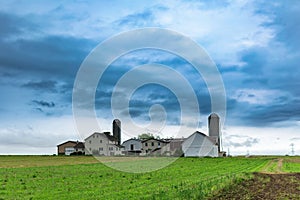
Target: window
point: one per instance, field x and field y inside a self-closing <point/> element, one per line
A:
<point x="158" y="144"/>
<point x="111" y="148"/>
<point x="131" y="147"/>
<point x="90" y="149"/>
<point x="93" y="136"/>
<point x="101" y="149"/>
<point x="152" y="144"/>
<point x="100" y="141"/>
<point x="146" y="144"/>
<point x="90" y="141"/>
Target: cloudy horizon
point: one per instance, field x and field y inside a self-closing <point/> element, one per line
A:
<point x="254" y="45"/>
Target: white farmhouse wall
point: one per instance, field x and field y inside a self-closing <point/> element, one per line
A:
<point x="96" y="144"/>
<point x="99" y="144"/>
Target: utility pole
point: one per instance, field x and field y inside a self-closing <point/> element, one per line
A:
<point x="292" y="146"/>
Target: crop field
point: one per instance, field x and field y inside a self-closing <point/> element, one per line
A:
<point x="83" y="177"/>
<point x="291" y="165"/>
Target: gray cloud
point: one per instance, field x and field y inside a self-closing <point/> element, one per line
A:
<point x="239" y="141"/>
<point x="49" y="85"/>
<point x="44" y="103"/>
<point x="59" y="57"/>
<point x="295" y="139"/>
<point x="12" y="25"/>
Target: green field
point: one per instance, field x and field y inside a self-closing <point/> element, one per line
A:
<point x="60" y="177"/>
<point x="291" y="165"/>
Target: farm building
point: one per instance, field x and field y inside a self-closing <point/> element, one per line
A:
<point x="153" y="146"/>
<point x="173" y="147"/>
<point x="167" y="147"/>
<point x="79" y="148"/>
<point x="132" y="146"/>
<point x="103" y="144"/>
<point x="199" y="145"/>
<point x="196" y="145"/>
<point x="69" y="147"/>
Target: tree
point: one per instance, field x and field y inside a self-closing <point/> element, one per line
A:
<point x="145" y="136"/>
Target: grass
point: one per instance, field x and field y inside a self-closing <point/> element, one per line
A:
<point x="291" y="164"/>
<point x="38" y="161"/>
<point x="65" y="178"/>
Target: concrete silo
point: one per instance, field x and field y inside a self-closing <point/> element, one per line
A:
<point x="116" y="127"/>
<point x="214" y="128"/>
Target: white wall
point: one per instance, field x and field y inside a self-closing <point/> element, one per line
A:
<point x="199" y="145"/>
<point x="137" y="145"/>
<point x="96" y="142"/>
<point x="99" y="144"/>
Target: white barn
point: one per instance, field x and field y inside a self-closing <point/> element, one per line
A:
<point x="132" y="146"/>
<point x="200" y="145"/>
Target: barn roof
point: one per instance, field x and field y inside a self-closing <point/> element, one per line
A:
<point x="79" y="145"/>
<point x="74" y="142"/>
<point x="164" y="141"/>
<point x="197" y="132"/>
<point x="135" y="139"/>
<point x="107" y="134"/>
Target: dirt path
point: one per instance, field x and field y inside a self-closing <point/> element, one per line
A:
<point x="279" y="165"/>
<point x="264" y="186"/>
<point x="274" y="167"/>
<point x="271" y="183"/>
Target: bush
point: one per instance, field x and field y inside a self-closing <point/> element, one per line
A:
<point x="78" y="153"/>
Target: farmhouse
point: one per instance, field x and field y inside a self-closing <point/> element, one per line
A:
<point x="103" y="144"/>
<point x="153" y="146"/>
<point x="69" y="147"/>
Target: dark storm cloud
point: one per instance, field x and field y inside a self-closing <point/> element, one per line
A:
<point x="57" y="56"/>
<point x="150" y="94"/>
<point x="266" y="114"/>
<point x="12" y="25"/>
<point x="49" y="63"/>
<point x="287" y="18"/>
<point x="273" y="67"/>
<point x="25" y="48"/>
<point x="49" y="86"/>
<point x="46" y="109"/>
<point x="44" y="103"/>
<point x="275" y="113"/>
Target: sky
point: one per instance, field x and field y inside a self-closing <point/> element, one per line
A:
<point x="254" y="44"/>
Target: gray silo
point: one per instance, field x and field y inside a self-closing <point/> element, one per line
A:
<point x="214" y="127"/>
<point x="116" y="126"/>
